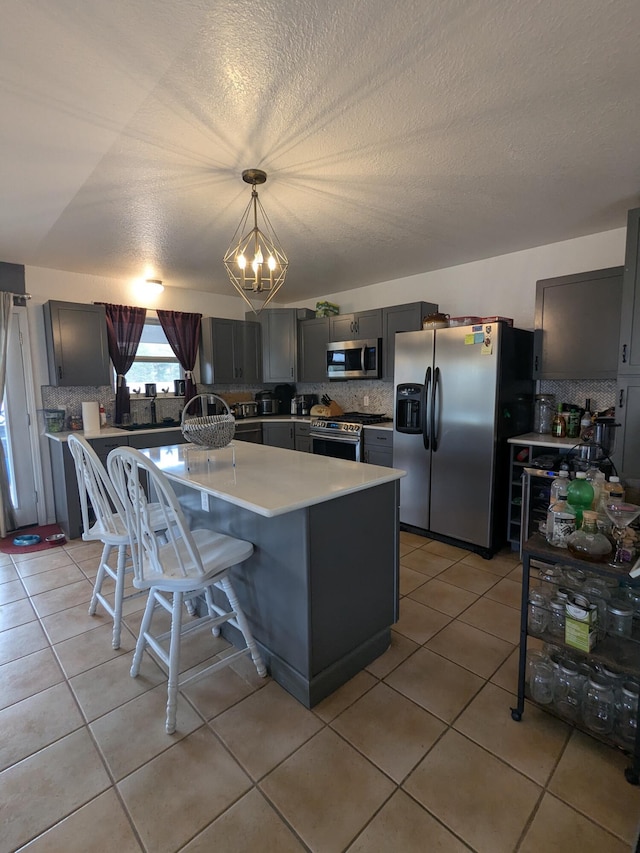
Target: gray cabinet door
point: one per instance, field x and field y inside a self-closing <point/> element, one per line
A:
<point x="216" y="351"/>
<point x="400" y="318"/>
<point x="278" y="435"/>
<point x="230" y="352"/>
<point x="629" y="350"/>
<point x="361" y="325"/>
<point x="247" y="352"/>
<point x="314" y="337"/>
<point x="279" y="344"/>
<point x="626" y="454"/>
<point x="578" y="325"/>
<point x="77" y="346"/>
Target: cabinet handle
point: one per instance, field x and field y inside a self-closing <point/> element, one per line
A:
<point x="292" y="372"/>
<point x="59" y="371"/>
<point x="240" y="372"/>
<point x="621" y="400"/>
<point x="624" y="353"/>
<point x="535" y="363"/>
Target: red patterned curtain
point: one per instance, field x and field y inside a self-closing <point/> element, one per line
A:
<point x="124" y="329"/>
<point x="183" y="333"/>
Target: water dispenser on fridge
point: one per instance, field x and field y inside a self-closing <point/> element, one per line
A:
<point x="409" y="400"/>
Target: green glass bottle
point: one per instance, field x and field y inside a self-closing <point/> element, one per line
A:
<point x="580" y="496"/>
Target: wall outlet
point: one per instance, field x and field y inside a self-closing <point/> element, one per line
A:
<point x="365" y="400"/>
<point x="204" y="501"/>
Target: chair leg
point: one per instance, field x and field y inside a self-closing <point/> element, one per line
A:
<point x="119" y="596"/>
<point x="144" y="628"/>
<point x="209" y="599"/>
<point x="97" y="587"/>
<point x="241" y="619"/>
<point x="174" y="662"/>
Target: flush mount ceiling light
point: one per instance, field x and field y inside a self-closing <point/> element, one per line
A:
<point x="255" y="263"/>
<point x="154" y="285"/>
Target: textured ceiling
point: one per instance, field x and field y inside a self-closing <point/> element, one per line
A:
<point x="398" y="137"/>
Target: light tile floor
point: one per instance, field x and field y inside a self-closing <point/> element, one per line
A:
<point x="416" y="753"/>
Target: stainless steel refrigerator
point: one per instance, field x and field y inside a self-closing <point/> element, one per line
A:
<point x="459" y="394"/>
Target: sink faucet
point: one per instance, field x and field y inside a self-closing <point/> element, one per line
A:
<point x="153" y="411"/>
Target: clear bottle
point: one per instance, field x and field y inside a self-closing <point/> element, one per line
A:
<point x="559" y="486"/>
<point x="558" y="424"/>
<point x="596" y="477"/>
<point x="580" y="496"/>
<point x="561" y="522"/>
<point x="614" y="490"/>
<point x="588" y="543"/>
<point x="586" y="426"/>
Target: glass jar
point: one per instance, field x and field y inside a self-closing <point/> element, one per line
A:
<point x="544" y="409"/>
<point x="538" y="614"/>
<point x="561" y="522"/>
<point x="627" y="716"/>
<point x="551" y="575"/>
<point x="567" y="690"/>
<point x="574" y="578"/>
<point x="588" y="543"/>
<point x="557" y="609"/>
<point x="597" y="592"/>
<point x="534" y="656"/>
<point x="598" y="705"/>
<point x="541" y="685"/>
<point x="619" y="617"/>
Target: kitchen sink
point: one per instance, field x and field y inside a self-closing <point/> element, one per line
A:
<point x="161" y="425"/>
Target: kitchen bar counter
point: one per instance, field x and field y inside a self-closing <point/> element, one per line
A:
<point x="321" y="589"/>
<point x="536" y="439"/>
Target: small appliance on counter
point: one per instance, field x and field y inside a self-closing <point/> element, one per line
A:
<point x="302" y="404"/>
<point x="284" y="394"/>
<point x="247" y="409"/>
<point x="267" y="403"/>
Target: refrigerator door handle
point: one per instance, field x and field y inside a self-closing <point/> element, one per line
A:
<point x="434" y="397"/>
<point x="423" y="406"/>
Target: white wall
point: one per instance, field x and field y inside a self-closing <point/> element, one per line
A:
<point x="504" y="285"/>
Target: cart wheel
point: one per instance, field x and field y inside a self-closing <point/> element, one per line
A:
<point x="516" y="715"/>
<point x="631" y="776"/>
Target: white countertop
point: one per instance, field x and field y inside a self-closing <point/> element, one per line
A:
<point x="536" y="439"/>
<point x="269" y="481"/>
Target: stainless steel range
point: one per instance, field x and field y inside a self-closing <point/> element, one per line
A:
<point x="341" y="436"/>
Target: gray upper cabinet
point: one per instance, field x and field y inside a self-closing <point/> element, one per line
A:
<point x="629" y="349"/>
<point x="77" y="346"/>
<point x="362" y="325"/>
<point x="401" y="318"/>
<point x="279" y="344"/>
<point x="230" y="352"/>
<point x="313" y="340"/>
<point x="578" y="325"/>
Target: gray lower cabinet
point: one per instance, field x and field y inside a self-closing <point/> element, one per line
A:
<point x="378" y="447"/>
<point x="629" y="350"/>
<point x="578" y="325"/>
<point x="230" y="352"/>
<point x="401" y="318"/>
<point x="313" y="337"/>
<point x="248" y="431"/>
<point x="302" y="439"/>
<point x="361" y="325"/>
<point x="65" y="484"/>
<point x="279" y="434"/>
<point x="77" y="346"/>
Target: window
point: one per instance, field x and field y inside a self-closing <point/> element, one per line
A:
<point x="155" y="360"/>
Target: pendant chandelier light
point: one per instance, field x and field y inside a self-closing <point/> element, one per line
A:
<point x="255" y="262"/>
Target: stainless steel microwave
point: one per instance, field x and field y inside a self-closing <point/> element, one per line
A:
<point x="354" y="359"/>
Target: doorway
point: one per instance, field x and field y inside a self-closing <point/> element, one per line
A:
<point x="18" y="426"/>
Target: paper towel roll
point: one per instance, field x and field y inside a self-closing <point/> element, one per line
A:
<point x="91" y="417"/>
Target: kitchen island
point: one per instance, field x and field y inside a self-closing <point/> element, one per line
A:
<point x="321" y="588"/>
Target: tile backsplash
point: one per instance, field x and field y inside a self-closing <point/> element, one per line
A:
<point x="601" y="392"/>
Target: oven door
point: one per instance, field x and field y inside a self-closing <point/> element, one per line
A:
<point x="337" y="448"/>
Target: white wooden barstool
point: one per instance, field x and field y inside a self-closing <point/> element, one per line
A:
<point x="109" y="527"/>
<point x="186" y="564"/>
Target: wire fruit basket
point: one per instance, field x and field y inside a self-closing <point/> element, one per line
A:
<point x="213" y="431"/>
